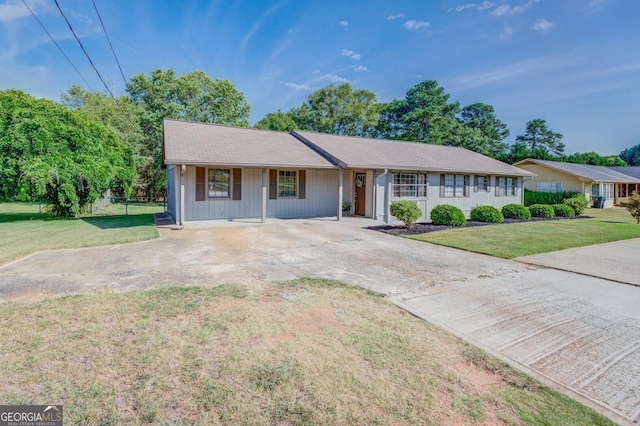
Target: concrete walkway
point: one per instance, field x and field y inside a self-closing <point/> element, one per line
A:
<point x="579" y="332"/>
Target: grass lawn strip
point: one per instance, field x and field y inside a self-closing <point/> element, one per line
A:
<point x="24" y="230"/>
<point x="272" y="354"/>
<point x="522" y="239"/>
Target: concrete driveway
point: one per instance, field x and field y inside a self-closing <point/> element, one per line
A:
<point x="579" y="332"/>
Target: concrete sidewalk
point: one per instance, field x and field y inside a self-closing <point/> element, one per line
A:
<point x="617" y="261"/>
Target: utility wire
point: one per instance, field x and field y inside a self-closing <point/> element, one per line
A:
<point x="84" y="50"/>
<point x="58" y="46"/>
<point x="109" y="40"/>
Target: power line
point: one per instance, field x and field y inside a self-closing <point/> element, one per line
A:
<point x="57" y="45"/>
<point x="84" y="50"/>
<point x="109" y="40"/>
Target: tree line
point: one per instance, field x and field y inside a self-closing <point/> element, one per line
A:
<point x="68" y="153"/>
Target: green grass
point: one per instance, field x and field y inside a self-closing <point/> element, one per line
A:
<point x="526" y="238"/>
<point x="25" y="229"/>
<point x="236" y="354"/>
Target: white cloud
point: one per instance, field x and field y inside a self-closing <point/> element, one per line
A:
<point x="482" y="6"/>
<point x="351" y="54"/>
<point x="507" y="32"/>
<point x="15" y="9"/>
<point x="396" y="16"/>
<point x="542" y="26"/>
<point x="412" y="24"/>
<point x="344" y="23"/>
<point x="507" y="9"/>
<point x="419" y="76"/>
<point x="298" y="86"/>
<point x="360" y="68"/>
<point x="333" y="78"/>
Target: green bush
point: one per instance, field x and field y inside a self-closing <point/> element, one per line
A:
<point x="577" y="203"/>
<point x="446" y="214"/>
<point x="535" y="197"/>
<point x="486" y="214"/>
<point x="541" y="210"/>
<point x="633" y="207"/>
<point x="516" y="211"/>
<point x="563" y="210"/>
<point x="406" y="211"/>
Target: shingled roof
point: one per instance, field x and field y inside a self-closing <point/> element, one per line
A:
<point x="209" y="144"/>
<point x="586" y="172"/>
<point x="633" y="171"/>
<point x="355" y="152"/>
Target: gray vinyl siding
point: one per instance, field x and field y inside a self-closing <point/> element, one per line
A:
<point x="172" y="191"/>
<point x="466" y="204"/>
<point x="321" y="198"/>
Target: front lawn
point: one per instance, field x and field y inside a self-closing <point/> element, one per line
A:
<point x="527" y="238"/>
<point x="26" y="229"/>
<point x="303" y="352"/>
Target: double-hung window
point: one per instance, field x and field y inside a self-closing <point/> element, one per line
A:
<point x="506" y="186"/>
<point x="409" y="185"/>
<point x="287" y="183"/>
<point x="219" y="183"/>
<point x="454" y="185"/>
<point x="482" y="183"/>
<point x="549" y="186"/>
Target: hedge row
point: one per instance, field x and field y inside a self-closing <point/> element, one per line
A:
<point x="449" y="215"/>
<point x="535" y="197"/>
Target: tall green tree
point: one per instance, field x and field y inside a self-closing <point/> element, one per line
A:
<point x="482" y="117"/>
<point x="339" y="110"/>
<point x="520" y="151"/>
<point x="278" y="121"/>
<point x="123" y="118"/>
<point x="50" y="153"/>
<point x="594" y="159"/>
<point x="193" y="96"/>
<point x="631" y="155"/>
<point x="424" y="115"/>
<point x="538" y="135"/>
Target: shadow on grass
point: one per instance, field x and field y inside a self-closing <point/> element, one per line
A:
<point x="113" y="222"/>
<point x="25" y="217"/>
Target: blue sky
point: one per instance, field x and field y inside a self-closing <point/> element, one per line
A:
<point x="574" y="63"/>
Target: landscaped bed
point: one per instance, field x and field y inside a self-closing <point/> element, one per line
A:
<point x="423" y="228"/>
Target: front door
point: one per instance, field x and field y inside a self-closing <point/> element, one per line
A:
<point x="360" y="191"/>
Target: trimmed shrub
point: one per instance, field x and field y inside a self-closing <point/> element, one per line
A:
<point x="577" y="203"/>
<point x="541" y="210"/>
<point x="516" y="211"/>
<point x="406" y="211"/>
<point x="535" y="197"/>
<point x="486" y="214"/>
<point x="563" y="210"/>
<point x="446" y="214"/>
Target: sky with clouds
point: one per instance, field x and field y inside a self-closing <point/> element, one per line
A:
<point x="574" y="63"/>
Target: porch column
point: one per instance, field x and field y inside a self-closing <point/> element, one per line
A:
<point x="387" y="198"/>
<point x="264" y="195"/>
<point x="340" y="179"/>
<point x="183" y="177"/>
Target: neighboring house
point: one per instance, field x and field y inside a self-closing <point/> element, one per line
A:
<point x="626" y="190"/>
<point x="219" y="172"/>
<point x="556" y="176"/>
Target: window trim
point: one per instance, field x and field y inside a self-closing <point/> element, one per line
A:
<point x="509" y="190"/>
<point x="487" y="183"/>
<point x="453" y="186"/>
<point x="418" y="188"/>
<point x="230" y="184"/>
<point x="553" y="186"/>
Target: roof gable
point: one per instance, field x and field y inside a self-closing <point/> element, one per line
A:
<point x="583" y="171"/>
<point x="200" y="143"/>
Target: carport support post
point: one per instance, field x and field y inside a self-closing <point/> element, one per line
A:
<point x="183" y="177"/>
<point x="264" y="195"/>
<point x="340" y="179"/>
<point x="387" y="197"/>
